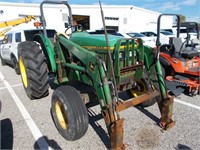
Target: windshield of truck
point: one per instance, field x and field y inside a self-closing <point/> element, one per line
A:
<point x="29" y="34"/>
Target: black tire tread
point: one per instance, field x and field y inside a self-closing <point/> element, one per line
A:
<point x="149" y="102"/>
<point x="73" y="101"/>
<point x="36" y="69"/>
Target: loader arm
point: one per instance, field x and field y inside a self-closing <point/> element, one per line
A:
<point x="75" y="57"/>
<point x="17" y="21"/>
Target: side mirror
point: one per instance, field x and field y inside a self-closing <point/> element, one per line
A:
<point x="5" y="40"/>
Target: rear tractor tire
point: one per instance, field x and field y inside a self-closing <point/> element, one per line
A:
<point x="33" y="70"/>
<point x="69" y="113"/>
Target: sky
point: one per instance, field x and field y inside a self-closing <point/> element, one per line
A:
<point x="189" y="8"/>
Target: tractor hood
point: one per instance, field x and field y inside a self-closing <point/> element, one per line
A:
<point x="94" y="41"/>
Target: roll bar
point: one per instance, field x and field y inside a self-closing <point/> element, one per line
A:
<point x="158" y="26"/>
<point x="42" y="18"/>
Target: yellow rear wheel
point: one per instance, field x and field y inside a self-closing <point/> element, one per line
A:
<point x="69" y="113"/>
<point x="23" y="72"/>
<point x="33" y="69"/>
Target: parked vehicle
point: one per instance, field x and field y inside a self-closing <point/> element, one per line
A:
<point x="8" y="48"/>
<point x="7" y="25"/>
<point x="7" y="42"/>
<point x="189" y="34"/>
<point x="163" y="39"/>
<point x="184" y="32"/>
<point x="109" y="31"/>
<point x="123" y="34"/>
<point x="149" y="41"/>
<point x="168" y="34"/>
<point x="192" y="40"/>
<point x="181" y="64"/>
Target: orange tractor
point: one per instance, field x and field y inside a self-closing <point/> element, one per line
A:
<point x="180" y="62"/>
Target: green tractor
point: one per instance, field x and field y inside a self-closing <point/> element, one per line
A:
<point x="87" y="68"/>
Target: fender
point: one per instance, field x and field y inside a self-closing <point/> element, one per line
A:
<point x="48" y="51"/>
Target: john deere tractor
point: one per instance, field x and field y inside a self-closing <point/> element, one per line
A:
<point x="117" y="73"/>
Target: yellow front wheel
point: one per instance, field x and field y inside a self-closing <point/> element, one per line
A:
<point x="60" y="115"/>
<point x="69" y="113"/>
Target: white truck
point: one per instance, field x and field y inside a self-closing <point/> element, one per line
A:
<point x="8" y="46"/>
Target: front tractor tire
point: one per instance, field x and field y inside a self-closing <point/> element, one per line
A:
<point x="33" y="70"/>
<point x="69" y="113"/>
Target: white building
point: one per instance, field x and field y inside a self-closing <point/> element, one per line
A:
<point x="124" y="18"/>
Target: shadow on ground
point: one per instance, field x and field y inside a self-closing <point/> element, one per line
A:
<point x="182" y="147"/>
<point x="148" y="114"/>
<point x="51" y="143"/>
<point x="6" y="134"/>
<point x="93" y="118"/>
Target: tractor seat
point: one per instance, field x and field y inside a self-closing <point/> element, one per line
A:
<point x="189" y="54"/>
<point x="169" y="49"/>
<point x="186" y="52"/>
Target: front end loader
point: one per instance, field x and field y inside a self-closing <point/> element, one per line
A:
<point x="83" y="71"/>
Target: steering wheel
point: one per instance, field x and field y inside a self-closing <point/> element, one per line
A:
<point x="78" y="28"/>
<point x="69" y="27"/>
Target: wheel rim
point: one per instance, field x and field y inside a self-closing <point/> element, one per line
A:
<point x="23" y="72"/>
<point x="140" y="89"/>
<point x="61" y="117"/>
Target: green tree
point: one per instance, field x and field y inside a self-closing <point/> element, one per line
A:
<point x="182" y="18"/>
